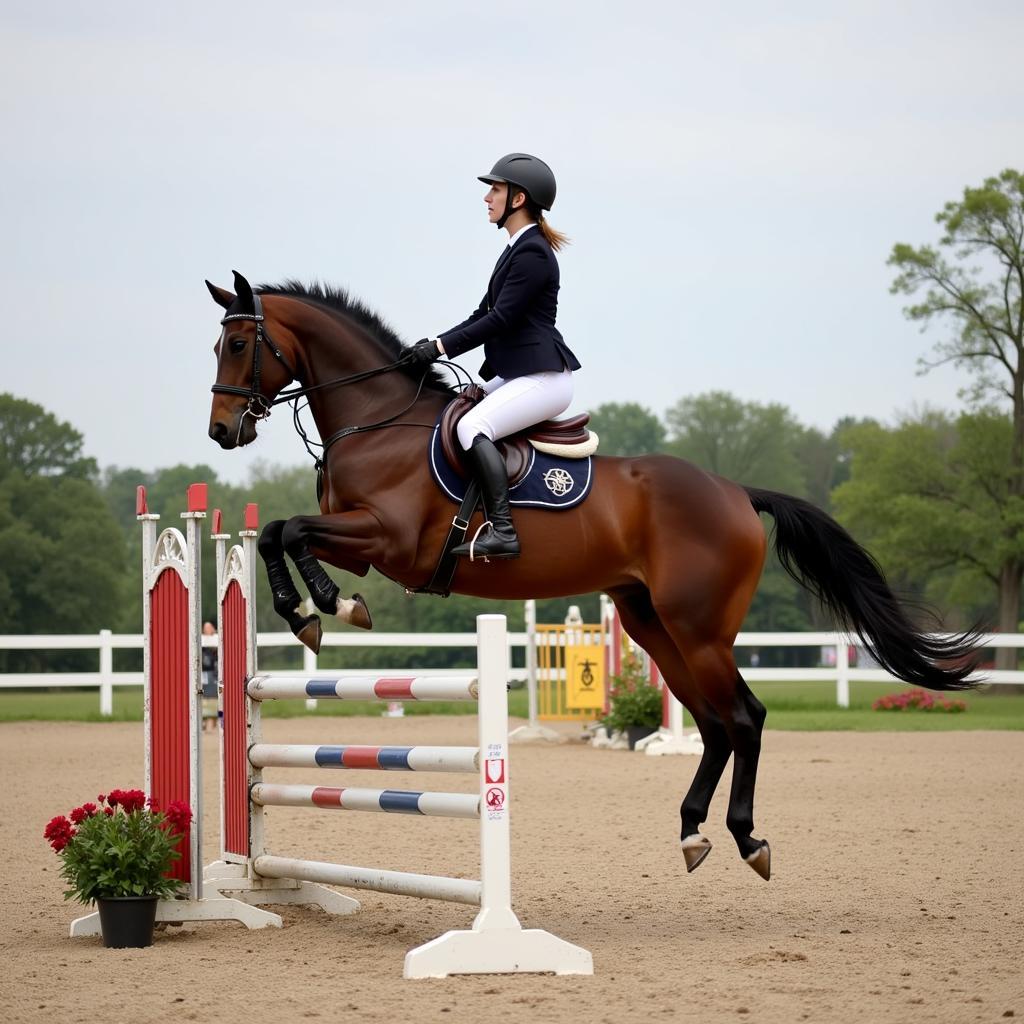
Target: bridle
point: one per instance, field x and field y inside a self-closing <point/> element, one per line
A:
<point x="259" y="406"/>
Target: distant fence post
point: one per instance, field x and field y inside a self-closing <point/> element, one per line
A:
<point x="843" y="671"/>
<point x="106" y="672"/>
<point x="530" y="617"/>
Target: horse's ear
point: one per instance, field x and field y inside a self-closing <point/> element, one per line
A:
<point x="244" y="290"/>
<point x="220" y="295"/>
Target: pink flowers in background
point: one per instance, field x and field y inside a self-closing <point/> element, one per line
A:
<point x="917" y="700"/>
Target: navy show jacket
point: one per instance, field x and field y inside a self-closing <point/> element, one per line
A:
<point x="515" y="321"/>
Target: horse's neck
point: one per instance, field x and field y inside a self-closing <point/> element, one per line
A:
<point x="331" y="350"/>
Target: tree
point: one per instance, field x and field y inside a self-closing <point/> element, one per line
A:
<point x="762" y="446"/>
<point x="627" y="428"/>
<point x="932" y="498"/>
<point x="61" y="553"/>
<point x="62" y="564"/>
<point x="974" y="280"/>
<point x="746" y="442"/>
<point x="35" y="443"/>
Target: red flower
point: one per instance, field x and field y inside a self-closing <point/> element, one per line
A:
<point x="114" y="797"/>
<point x="58" y="832"/>
<point x="178" y="816"/>
<point x="132" y="800"/>
<point x="79" y="814"/>
<point x="102" y="798"/>
<point x="108" y="811"/>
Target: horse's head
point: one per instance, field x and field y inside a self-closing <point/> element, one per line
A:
<point x="252" y="369"/>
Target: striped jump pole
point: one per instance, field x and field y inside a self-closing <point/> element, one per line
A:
<point x="171" y="614"/>
<point x="496" y="943"/>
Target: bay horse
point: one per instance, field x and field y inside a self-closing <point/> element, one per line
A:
<point x="679" y="550"/>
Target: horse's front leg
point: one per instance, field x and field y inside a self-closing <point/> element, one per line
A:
<point x="287" y="601"/>
<point x="347" y="539"/>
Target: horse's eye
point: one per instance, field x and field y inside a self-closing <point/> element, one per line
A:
<point x="237" y="346"/>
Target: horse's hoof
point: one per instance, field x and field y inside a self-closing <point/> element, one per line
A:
<point x="695" y="849"/>
<point x="311" y="634"/>
<point x="354" y="612"/>
<point x="761" y="861"/>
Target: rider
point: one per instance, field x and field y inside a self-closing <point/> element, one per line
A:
<point x="528" y="368"/>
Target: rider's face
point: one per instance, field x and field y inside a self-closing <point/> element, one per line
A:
<point x="495" y="200"/>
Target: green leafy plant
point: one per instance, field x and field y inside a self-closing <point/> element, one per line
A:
<point x="123" y="847"/>
<point x="632" y="700"/>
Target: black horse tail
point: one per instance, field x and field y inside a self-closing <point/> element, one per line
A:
<point x="821" y="556"/>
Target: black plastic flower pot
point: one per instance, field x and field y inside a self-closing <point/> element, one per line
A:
<point x="635" y="733"/>
<point x="127" y="921"/>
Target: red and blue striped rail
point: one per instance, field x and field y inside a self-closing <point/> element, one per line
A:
<point x="400" y="759"/>
<point x="392" y="801"/>
<point x="285" y="687"/>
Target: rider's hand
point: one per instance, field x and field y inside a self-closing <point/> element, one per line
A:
<point x="425" y="352"/>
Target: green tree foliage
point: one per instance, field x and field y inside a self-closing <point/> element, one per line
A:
<point x="932" y="498"/>
<point x="62" y="566"/>
<point x="627" y="428"/>
<point x="761" y="446"/>
<point x="35" y="443"/>
<point x="746" y="442"/>
<point x="973" y="281"/>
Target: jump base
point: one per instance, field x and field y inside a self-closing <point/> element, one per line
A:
<point x="212" y="907"/>
<point x="496" y="951"/>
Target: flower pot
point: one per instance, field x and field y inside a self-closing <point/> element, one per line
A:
<point x="127" y="921"/>
<point x="635" y="733"/>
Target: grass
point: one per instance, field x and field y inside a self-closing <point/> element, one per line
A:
<point x="791" y="706"/>
<point x="812" y="707"/>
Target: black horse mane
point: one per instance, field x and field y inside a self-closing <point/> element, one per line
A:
<point x="339" y="301"/>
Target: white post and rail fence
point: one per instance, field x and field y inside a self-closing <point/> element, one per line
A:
<point x="839" y="672"/>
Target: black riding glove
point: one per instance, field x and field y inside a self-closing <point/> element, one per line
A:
<point x="424" y="352"/>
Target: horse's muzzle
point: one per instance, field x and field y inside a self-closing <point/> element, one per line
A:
<point x="224" y="437"/>
<point x="233" y="432"/>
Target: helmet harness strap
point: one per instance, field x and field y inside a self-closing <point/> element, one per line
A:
<point x="510" y="194"/>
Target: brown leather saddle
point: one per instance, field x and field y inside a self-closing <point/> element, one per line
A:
<point x="515" y="448"/>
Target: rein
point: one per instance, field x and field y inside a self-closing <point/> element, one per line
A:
<point x="259" y="406"/>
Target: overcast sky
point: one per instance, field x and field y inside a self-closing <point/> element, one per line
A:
<point x="733" y="178"/>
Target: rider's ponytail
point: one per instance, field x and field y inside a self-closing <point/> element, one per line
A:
<point x="558" y="240"/>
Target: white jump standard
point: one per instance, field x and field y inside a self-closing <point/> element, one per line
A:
<point x="171" y="570"/>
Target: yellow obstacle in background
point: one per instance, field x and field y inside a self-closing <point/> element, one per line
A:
<point x="571" y="670"/>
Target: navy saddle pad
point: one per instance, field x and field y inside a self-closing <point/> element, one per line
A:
<point x="550" y="482"/>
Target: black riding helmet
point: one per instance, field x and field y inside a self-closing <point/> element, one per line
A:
<point x="529" y="173"/>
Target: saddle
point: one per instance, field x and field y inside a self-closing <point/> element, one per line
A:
<point x="568" y="438"/>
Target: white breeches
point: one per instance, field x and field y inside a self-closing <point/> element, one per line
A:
<point x="515" y="404"/>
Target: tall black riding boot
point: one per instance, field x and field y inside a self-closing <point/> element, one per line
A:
<point x="488" y="467"/>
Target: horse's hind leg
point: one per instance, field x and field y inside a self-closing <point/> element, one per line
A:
<point x="641" y="622"/>
<point x="694" y="809"/>
<point x="742" y="716"/>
